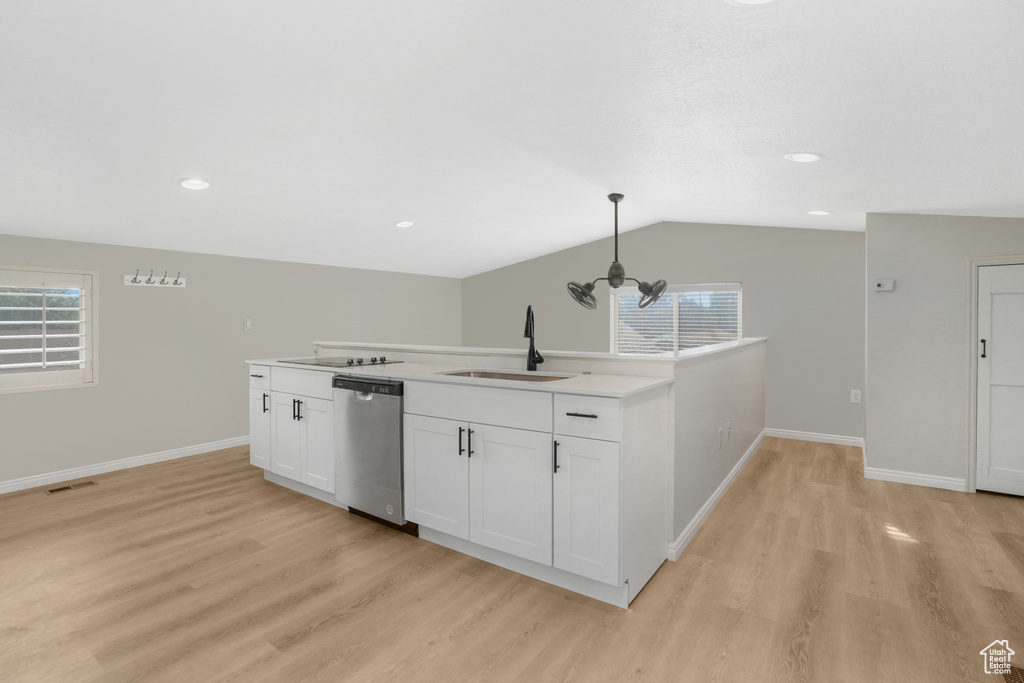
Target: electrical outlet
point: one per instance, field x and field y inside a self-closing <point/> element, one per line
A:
<point x="854" y="395"/>
<point x="247" y="323"/>
<point x="728" y="431"/>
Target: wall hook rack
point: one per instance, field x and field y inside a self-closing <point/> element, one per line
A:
<point x="136" y="281"/>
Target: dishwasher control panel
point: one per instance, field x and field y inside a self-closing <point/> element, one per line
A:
<point x="369" y="385"/>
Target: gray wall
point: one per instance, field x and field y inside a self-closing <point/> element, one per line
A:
<point x="711" y="392"/>
<point x="171" y="371"/>
<point x="803" y="289"/>
<point x="918" y="336"/>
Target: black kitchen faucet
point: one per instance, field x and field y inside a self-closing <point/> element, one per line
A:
<point x="532" y="356"/>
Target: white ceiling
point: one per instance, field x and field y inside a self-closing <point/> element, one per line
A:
<point x="497" y="126"/>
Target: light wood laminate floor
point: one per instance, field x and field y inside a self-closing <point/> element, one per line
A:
<point x="199" y="570"/>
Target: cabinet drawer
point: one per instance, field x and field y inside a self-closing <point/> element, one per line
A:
<point x="259" y="376"/>
<point x="591" y="417"/>
<point x="485" y="405"/>
<point x="313" y="383"/>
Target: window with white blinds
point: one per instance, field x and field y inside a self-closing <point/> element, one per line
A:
<point x="685" y="317"/>
<point x="47" y="327"/>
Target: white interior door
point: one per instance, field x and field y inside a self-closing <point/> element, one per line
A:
<point x="1001" y="379"/>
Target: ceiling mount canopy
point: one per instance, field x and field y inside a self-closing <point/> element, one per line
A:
<point x="584" y="293"/>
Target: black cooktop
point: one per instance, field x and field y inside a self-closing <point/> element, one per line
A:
<point x="336" y="362"/>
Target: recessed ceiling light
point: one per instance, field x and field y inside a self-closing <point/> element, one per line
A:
<point x="818" y="213"/>
<point x="404" y="224"/>
<point x="803" y="157"/>
<point x="194" y="184"/>
<point x="742" y="3"/>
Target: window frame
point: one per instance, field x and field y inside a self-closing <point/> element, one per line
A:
<point x="674" y="291"/>
<point x="23" y="382"/>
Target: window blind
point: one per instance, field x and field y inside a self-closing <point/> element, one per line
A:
<point x="708" y="317"/>
<point x="45" y="329"/>
<point x="686" y="316"/>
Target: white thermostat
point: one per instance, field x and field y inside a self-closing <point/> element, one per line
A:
<point x="885" y="285"/>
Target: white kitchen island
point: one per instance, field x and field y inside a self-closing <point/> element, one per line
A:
<point x="588" y="482"/>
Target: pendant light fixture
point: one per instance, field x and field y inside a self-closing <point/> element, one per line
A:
<point x="649" y="292"/>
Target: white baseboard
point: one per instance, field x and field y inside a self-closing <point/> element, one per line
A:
<point x="122" y="464"/>
<point x="814" y="436"/>
<point x="899" y="477"/>
<point x="675" y="549"/>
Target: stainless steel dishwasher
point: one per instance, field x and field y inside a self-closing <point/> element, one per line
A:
<point x="368" y="446"/>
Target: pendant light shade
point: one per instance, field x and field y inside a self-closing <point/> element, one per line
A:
<point x="584" y="293"/>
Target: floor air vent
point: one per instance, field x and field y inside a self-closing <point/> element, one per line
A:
<point x="69" y="487"/>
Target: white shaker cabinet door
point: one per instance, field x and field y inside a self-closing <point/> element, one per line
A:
<point x="316" y="424"/>
<point x="285" y="436"/>
<point x="586" y="508"/>
<point x="510" y="491"/>
<point x="437" y="474"/>
<point x="259" y="428"/>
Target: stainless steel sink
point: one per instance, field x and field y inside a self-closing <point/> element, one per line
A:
<point x="516" y="376"/>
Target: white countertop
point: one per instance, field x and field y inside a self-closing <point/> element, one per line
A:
<point x="614" y="386"/>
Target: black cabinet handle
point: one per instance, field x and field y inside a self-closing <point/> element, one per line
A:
<point x="265" y="408"/>
<point x="257" y="376"/>
<point x="461" y="449"/>
<point x="555" y="450"/>
<point x="983" y="348"/>
<point x="469" y="443"/>
<point x="592" y="417"/>
<point x="294" y="401"/>
<point x="298" y="409"/>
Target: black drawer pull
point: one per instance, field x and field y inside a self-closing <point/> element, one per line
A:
<point x="592" y="417"/>
<point x="469" y="443"/>
<point x="257" y="376"/>
<point x="265" y="408"/>
<point x="298" y="410"/>
<point x="555" y="451"/>
<point x="461" y="449"/>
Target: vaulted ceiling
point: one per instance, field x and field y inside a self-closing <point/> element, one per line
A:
<point x="497" y="127"/>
